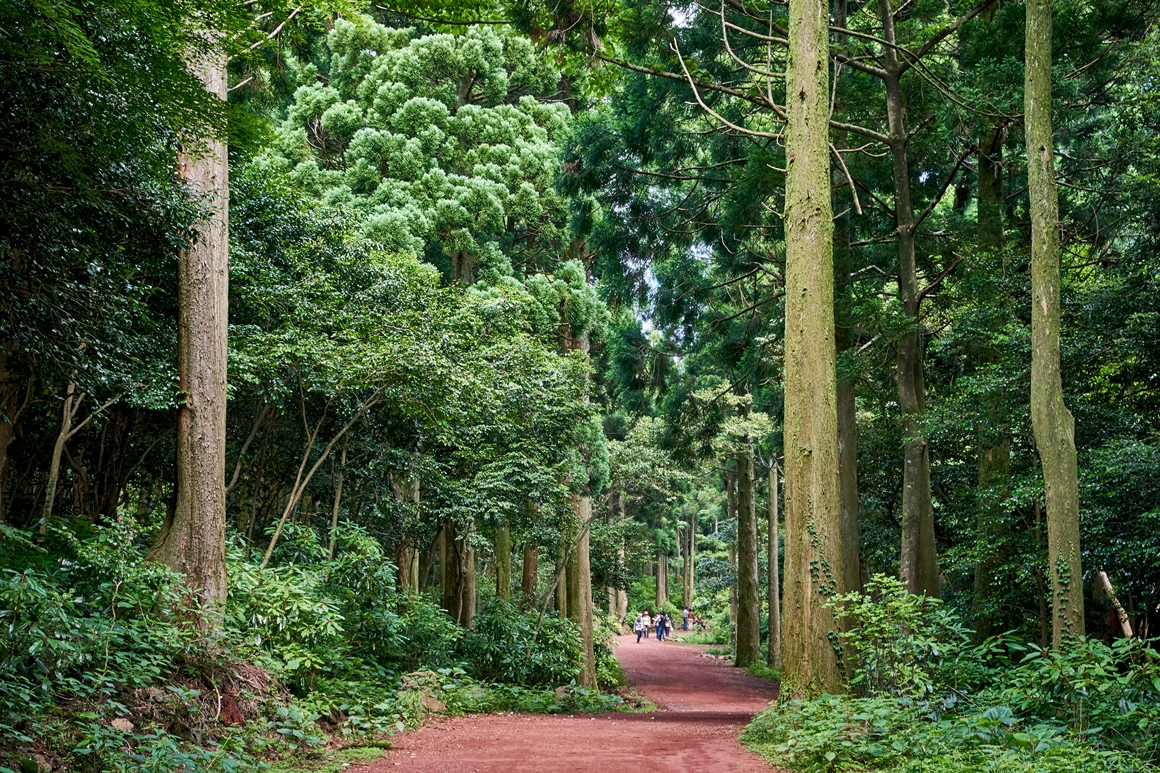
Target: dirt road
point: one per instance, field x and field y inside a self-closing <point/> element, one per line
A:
<point x="703" y="705"/>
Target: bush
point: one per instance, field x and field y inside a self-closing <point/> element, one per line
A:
<point x="506" y="647"/>
<point x="933" y="702"/>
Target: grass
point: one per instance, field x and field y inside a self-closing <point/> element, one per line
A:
<point x="332" y="761"/>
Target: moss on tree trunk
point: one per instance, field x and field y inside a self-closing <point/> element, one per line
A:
<point x="813" y="509"/>
<point x="1051" y="421"/>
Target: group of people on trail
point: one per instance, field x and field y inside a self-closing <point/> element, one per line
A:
<point x="662" y="624"/>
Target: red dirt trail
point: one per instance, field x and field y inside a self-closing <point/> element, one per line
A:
<point x="703" y="705"/>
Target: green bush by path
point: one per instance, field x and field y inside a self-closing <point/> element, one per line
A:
<point x="927" y="700"/>
<point x="101" y="670"/>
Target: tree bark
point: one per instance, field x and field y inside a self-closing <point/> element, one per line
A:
<point x="748" y="649"/>
<point x="192" y="542"/>
<point x="562" y="587"/>
<point x="1051" y="421"/>
<point x="919" y="561"/>
<point x="503" y="563"/>
<point x="10" y="417"/>
<point x="848" y="480"/>
<point x="583" y="603"/>
<point x="773" y="647"/>
<point x="72" y="404"/>
<point x="337" y="494"/>
<point x="662" y="594"/>
<point x="994" y="447"/>
<point x="529" y="573"/>
<point x="813" y="505"/>
<point x="690" y="560"/>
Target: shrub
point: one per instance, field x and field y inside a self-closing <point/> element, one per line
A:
<point x="933" y="702"/>
<point x="505" y="646"/>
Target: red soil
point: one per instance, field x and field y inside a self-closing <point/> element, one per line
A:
<point x="703" y="705"/>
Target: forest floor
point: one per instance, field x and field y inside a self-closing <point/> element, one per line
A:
<point x="702" y="706"/>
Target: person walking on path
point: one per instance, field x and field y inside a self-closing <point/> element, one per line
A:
<point x="646" y="621"/>
<point x="638" y="628"/>
<point x="661" y="627"/>
<point x="685" y="619"/>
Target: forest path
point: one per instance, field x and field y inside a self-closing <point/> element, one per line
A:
<point x="703" y="704"/>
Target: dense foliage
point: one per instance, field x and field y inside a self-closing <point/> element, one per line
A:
<point x="507" y="300"/>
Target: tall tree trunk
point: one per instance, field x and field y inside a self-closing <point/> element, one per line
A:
<point x="467" y="593"/>
<point x="919" y="561"/>
<point x="503" y="563"/>
<point x="192" y="542"/>
<point x="1051" y="421"/>
<point x="690" y="559"/>
<point x="583" y="604"/>
<point x="662" y="594"/>
<point x="843" y="340"/>
<point x="848" y="479"/>
<point x="994" y="447"/>
<point x="813" y="505"/>
<point x="773" y="648"/>
<point x="529" y="573"/>
<point x="748" y="649"/>
<point x="562" y="586"/>
<point x="451" y="582"/>
<point x="731" y="515"/>
<point x="582" y="510"/>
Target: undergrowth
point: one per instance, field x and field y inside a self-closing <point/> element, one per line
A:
<point x="102" y="669"/>
<point x="926" y="700"/>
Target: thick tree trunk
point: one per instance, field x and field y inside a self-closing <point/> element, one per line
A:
<point x="748" y="649"/>
<point x="503" y="563"/>
<point x="1051" y="421"/>
<point x="813" y="506"/>
<point x="773" y="647"/>
<point x="583" y="602"/>
<point x="192" y="542"/>
<point x="919" y="561"/>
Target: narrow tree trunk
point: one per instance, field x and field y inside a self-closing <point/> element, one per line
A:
<point x="529" y="574"/>
<point x="337" y="497"/>
<point x="562" y="586"/>
<point x="918" y="562"/>
<point x="1053" y="425"/>
<point x="192" y="542"/>
<point x="690" y="560"/>
<point x="994" y="447"/>
<point x="848" y="481"/>
<point x="467" y="572"/>
<point x="662" y="594"/>
<point x="748" y="650"/>
<point x="11" y="414"/>
<point x="503" y="563"/>
<point x="773" y="648"/>
<point x="583" y="604"/>
<point x="813" y="505"/>
<point x="72" y="403"/>
<point x="451" y="582"/>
